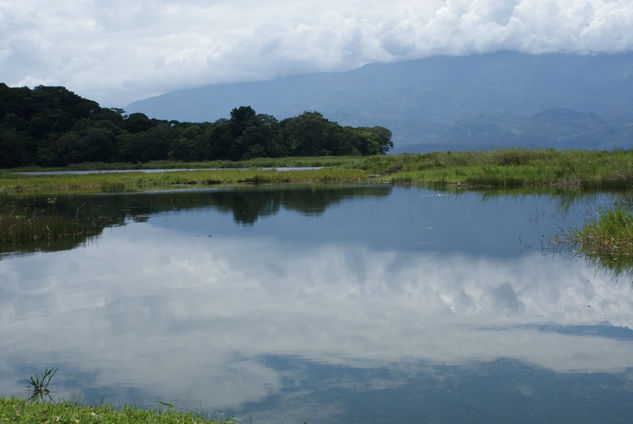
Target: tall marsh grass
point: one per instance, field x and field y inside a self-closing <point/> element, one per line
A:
<point x="507" y="168"/>
<point x="610" y="233"/>
<point x="607" y="239"/>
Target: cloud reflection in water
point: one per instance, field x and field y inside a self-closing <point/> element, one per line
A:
<point x="189" y="319"/>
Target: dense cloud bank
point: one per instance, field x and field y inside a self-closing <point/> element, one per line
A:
<point x="116" y="52"/>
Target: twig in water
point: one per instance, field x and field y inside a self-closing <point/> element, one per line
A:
<point x="77" y="213"/>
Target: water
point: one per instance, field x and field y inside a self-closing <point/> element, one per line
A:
<point x="154" y="171"/>
<point x="325" y="304"/>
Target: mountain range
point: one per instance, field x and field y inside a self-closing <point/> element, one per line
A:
<point x="502" y="99"/>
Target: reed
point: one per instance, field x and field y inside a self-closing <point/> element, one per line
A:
<point x="39" y="385"/>
<point x="609" y="237"/>
<point x="605" y="241"/>
<point x="507" y="168"/>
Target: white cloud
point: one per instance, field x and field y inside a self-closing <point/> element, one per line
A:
<point x="116" y="52"/>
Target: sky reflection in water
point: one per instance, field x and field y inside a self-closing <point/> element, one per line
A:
<point x="310" y="316"/>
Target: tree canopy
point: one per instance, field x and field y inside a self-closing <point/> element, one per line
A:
<point x="52" y="126"/>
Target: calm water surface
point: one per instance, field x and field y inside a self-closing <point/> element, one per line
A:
<point x="325" y="305"/>
<point x="154" y="171"/>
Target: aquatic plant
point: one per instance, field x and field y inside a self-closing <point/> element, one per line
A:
<point x="608" y="237"/>
<point x="39" y="385"/>
<point x="606" y="240"/>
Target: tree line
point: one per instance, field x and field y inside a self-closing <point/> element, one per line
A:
<point x="52" y="126"/>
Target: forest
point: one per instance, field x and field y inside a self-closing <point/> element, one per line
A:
<point x="52" y="126"/>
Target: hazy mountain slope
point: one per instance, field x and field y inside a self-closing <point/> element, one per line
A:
<point x="422" y="101"/>
<point x="560" y="128"/>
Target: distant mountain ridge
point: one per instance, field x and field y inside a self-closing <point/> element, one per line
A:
<point x="451" y="102"/>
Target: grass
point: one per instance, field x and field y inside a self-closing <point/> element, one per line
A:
<point x="40" y="408"/>
<point x="20" y="411"/>
<point x="52" y="184"/>
<point x="608" y="239"/>
<point x="39" y="385"/>
<point x="507" y="168"/>
<point x="285" y="162"/>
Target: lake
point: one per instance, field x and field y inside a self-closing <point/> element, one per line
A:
<point x="323" y="304"/>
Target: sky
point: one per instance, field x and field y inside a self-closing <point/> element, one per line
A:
<point x="119" y="51"/>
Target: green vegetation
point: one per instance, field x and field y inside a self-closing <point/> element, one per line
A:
<point x="511" y="168"/>
<point x="138" y="181"/>
<point x="24" y="412"/>
<point x="608" y="238"/>
<point x="51" y="126"/>
<point x="41" y="408"/>
<point x="281" y="162"/>
<point x="39" y="385"/>
<point x="507" y="168"/>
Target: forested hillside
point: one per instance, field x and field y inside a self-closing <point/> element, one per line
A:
<point x="51" y="126"/>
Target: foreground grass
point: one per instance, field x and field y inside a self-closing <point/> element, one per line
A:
<point x="24" y="412"/>
<point x="508" y="168"/>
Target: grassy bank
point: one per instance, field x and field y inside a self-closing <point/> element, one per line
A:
<point x="499" y="169"/>
<point x="24" y="412"/>
<point x="293" y="161"/>
<point x="139" y="181"/>
<point x="507" y="168"/>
